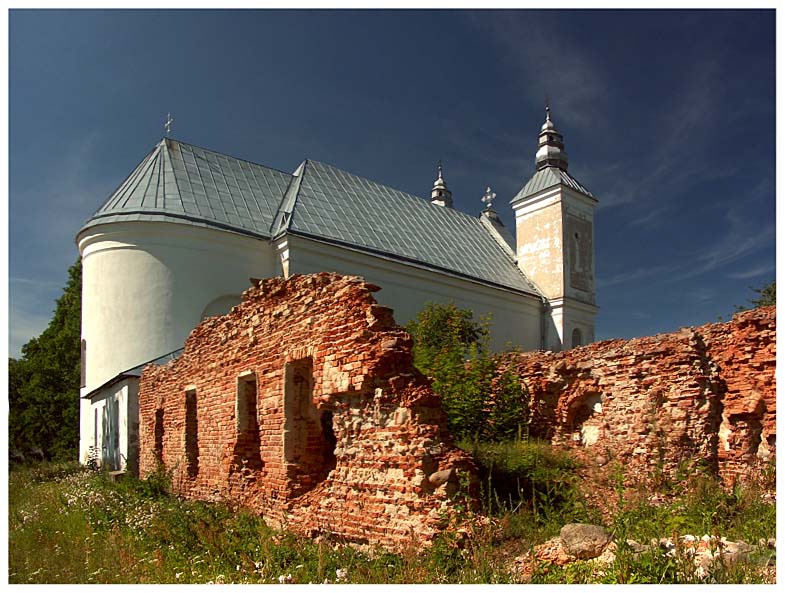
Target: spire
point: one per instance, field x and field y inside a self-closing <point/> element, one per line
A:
<point x="440" y="195"/>
<point x="550" y="150"/>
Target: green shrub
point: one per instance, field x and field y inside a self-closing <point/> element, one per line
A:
<point x="532" y="475"/>
<point x="482" y="403"/>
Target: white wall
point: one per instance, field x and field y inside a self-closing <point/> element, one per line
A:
<point x="146" y="285"/>
<point x="110" y="426"/>
<point x="406" y="289"/>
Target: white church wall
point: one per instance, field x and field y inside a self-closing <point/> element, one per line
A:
<point x="111" y="417"/>
<point x="406" y="289"/>
<point x="146" y="285"/>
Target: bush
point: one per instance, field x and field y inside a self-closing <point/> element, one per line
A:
<point x="530" y="473"/>
<point x="482" y="403"/>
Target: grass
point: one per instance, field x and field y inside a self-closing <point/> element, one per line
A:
<point x="70" y="525"/>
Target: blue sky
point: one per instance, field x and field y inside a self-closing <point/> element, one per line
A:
<point x="668" y="118"/>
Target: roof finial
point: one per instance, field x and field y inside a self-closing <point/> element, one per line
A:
<point x="168" y="124"/>
<point x="440" y="195"/>
<point x="488" y="197"/>
<point x="550" y="149"/>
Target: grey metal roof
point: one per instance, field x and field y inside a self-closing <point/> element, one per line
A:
<point x="184" y="184"/>
<point x="550" y="177"/>
<point x="191" y="185"/>
<point x="137" y="370"/>
<point x="342" y="208"/>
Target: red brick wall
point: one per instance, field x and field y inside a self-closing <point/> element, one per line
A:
<point x="662" y="404"/>
<point x="317" y="346"/>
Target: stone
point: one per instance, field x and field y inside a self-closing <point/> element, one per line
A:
<point x="442" y="477"/>
<point x="583" y="540"/>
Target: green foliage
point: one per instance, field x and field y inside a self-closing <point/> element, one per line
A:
<point x="531" y="475"/>
<point x="44" y="383"/>
<point x="767" y="296"/>
<point x="70" y="525"/>
<point x="481" y="402"/>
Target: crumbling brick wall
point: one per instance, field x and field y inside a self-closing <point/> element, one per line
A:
<point x="663" y="404"/>
<point x="303" y="404"/>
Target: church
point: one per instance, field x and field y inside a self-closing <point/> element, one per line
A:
<point x="183" y="235"/>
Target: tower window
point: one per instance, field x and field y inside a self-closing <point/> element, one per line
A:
<point x="577" y="338"/>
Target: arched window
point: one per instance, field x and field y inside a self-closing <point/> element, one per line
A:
<point x="577" y="338"/>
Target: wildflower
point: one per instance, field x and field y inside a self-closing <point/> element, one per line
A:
<point x="177" y="575"/>
<point x="285" y="578"/>
<point x="341" y="574"/>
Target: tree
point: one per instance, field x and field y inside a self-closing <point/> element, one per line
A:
<point x="44" y="383"/>
<point x="767" y="296"/>
<point x="481" y="403"/>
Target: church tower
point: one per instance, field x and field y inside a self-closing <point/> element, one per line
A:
<point x="554" y="219"/>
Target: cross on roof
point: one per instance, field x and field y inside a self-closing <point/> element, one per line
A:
<point x="488" y="197"/>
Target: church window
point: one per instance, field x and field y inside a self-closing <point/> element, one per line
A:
<point x="577" y="338"/>
<point x="247" y="446"/>
<point x="191" y="434"/>
<point x="82" y="361"/>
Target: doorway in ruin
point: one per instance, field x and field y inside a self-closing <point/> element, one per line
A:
<point x="247" y="446"/>
<point x="308" y="437"/>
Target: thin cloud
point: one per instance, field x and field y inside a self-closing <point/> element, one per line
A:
<point x="22" y="326"/>
<point x="761" y="270"/>
<point x="577" y="86"/>
<point x="643" y="273"/>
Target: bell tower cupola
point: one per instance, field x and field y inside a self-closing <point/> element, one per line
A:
<point x="440" y="195"/>
<point x="550" y="150"/>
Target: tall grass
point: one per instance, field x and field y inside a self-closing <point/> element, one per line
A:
<point x="70" y="525"/>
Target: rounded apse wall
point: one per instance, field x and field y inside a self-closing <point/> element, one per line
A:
<point x="146" y="285"/>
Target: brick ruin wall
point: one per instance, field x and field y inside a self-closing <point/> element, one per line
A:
<point x="660" y="405"/>
<point x="303" y="404"/>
